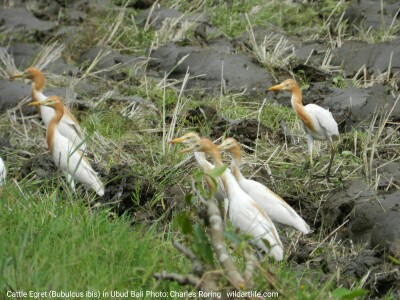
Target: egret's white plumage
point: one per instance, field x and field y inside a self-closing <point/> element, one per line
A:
<point x="3" y="172"/>
<point x="318" y="122"/>
<point x="68" y="126"/>
<point x="69" y="159"/>
<point x="245" y="214"/>
<point x="220" y="194"/>
<point x="276" y="208"/>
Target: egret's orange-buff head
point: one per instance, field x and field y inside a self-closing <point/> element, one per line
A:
<point x="288" y="85"/>
<point x="191" y="139"/>
<point x="32" y="74"/>
<point x="232" y="146"/>
<point x="229" y="144"/>
<point x="195" y="143"/>
<point x="52" y="101"/>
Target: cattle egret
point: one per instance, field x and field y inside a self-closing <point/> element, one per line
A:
<point x="3" y="172"/>
<point x="69" y="126"/>
<point x="245" y="214"/>
<point x="276" y="208"/>
<point x="318" y="122"/>
<point x="69" y="159"/>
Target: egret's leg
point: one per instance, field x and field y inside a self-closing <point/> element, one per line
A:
<point x="70" y="181"/>
<point x="333" y="150"/>
<point x="310" y="142"/>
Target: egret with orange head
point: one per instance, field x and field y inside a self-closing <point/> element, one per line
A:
<point x="69" y="159"/>
<point x="244" y="213"/>
<point x="318" y="122"/>
<point x="276" y="208"/>
<point x="69" y="126"/>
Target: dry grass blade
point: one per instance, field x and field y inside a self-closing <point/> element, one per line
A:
<point x="47" y="55"/>
<point x="178" y="108"/>
<point x="7" y="66"/>
<point x="275" y="50"/>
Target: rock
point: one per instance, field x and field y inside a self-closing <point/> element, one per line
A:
<point x="157" y="17"/>
<point x="20" y="19"/>
<point x="368" y="14"/>
<point x="377" y="214"/>
<point x="358" y="266"/>
<point x="23" y="54"/>
<point x="160" y="14"/>
<point x="41" y="165"/>
<point x="240" y="73"/>
<point x="244" y="131"/>
<point x="126" y="191"/>
<point x="11" y="93"/>
<point x="340" y="204"/>
<point x="386" y="233"/>
<point x="311" y="52"/>
<point x="377" y="58"/>
<point x="388" y="172"/>
<point x="109" y="59"/>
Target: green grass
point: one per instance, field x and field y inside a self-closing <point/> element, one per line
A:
<point x="49" y="243"/>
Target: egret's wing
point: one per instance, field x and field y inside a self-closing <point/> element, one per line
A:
<point x="324" y="118"/>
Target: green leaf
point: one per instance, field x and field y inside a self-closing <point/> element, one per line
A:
<point x="343" y="293"/>
<point x="189" y="198"/>
<point x="233" y="237"/>
<point x="217" y="171"/>
<point x="394" y="260"/>
<point x="182" y="221"/>
<point x="202" y="246"/>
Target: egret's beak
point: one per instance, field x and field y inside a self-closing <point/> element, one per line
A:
<point x="190" y="149"/>
<point x="277" y="87"/>
<point x="36" y="103"/>
<point x="176" y="141"/>
<point x="21" y="75"/>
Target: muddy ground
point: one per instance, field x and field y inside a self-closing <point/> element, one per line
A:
<point x="367" y="216"/>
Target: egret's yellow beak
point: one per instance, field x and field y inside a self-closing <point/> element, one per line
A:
<point x="176" y="141"/>
<point x="21" y="75"/>
<point x="36" y="103"/>
<point x="277" y="87"/>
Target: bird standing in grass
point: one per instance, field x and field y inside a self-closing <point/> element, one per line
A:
<point x="3" y="172"/>
<point x="318" y="122"/>
<point x="69" y="159"/>
<point x="69" y="126"/>
<point x="244" y="213"/>
<point x="277" y="209"/>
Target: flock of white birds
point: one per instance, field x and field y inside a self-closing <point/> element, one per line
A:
<point x="251" y="207"/>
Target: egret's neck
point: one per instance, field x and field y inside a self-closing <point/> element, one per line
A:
<point x="52" y="128"/>
<point x="235" y="163"/>
<point x="38" y="82"/>
<point x="297" y="100"/>
<point x="202" y="161"/>
<point x="297" y="104"/>
<point x="37" y="95"/>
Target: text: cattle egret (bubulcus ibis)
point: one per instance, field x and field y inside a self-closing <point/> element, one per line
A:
<point x="276" y="208"/>
<point x="69" y="126"/>
<point x="318" y="122"/>
<point x="3" y="172"/>
<point x="245" y="214"/>
<point x="69" y="159"/>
